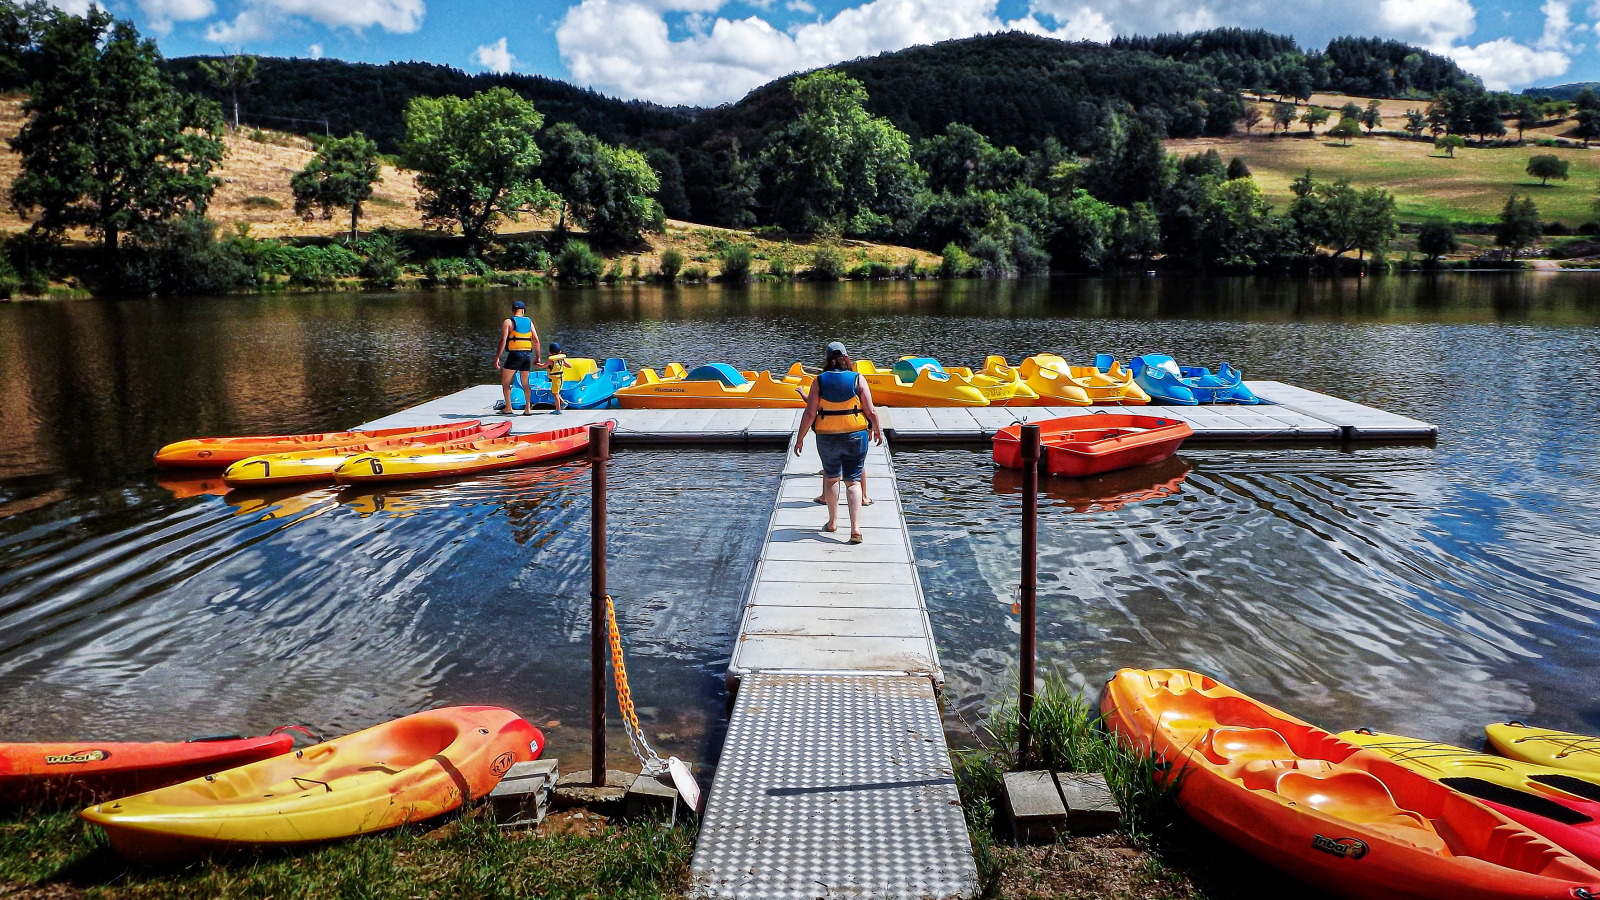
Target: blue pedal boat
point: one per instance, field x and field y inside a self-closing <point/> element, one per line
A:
<point x="595" y="389"/>
<point x="1167" y="382"/>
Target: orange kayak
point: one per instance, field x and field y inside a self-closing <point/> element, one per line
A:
<point x="465" y="458"/>
<point x="1345" y="820"/>
<point x="1080" y="446"/>
<point x="216" y="453"/>
<point x="85" y="770"/>
<point x="407" y="770"/>
<point x="319" y="465"/>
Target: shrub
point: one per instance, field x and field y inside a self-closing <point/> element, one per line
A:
<point x="993" y="257"/>
<point x="955" y="263"/>
<point x="696" y="273"/>
<point x="382" y="258"/>
<point x="577" y="263"/>
<point x="879" y="270"/>
<point x="778" y="267"/>
<point x="10" y="284"/>
<point x="521" y="255"/>
<point x="734" y="264"/>
<point x="827" y="263"/>
<point x="259" y="202"/>
<point x="31" y="258"/>
<point x="613" y="273"/>
<point x="910" y="269"/>
<point x="671" y="265"/>
<point x="636" y="271"/>
<point x="445" y="271"/>
<point x="180" y="256"/>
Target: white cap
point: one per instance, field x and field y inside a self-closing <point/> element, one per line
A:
<point x="839" y="346"/>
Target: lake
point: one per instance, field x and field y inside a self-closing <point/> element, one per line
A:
<point x="1426" y="589"/>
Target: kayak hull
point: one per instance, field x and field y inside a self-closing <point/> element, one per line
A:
<point x="319" y="465"/>
<point x="1562" y="806"/>
<point x="466" y="458"/>
<point x="1081" y="446"/>
<point x="217" y="453"/>
<point x="408" y="770"/>
<point x="83" y="771"/>
<point x="1546" y="747"/>
<point x="1345" y="820"/>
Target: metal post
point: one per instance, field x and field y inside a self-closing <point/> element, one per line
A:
<point x="1029" y="591"/>
<point x="599" y="453"/>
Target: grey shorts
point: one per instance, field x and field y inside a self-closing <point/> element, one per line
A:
<point x="843" y="455"/>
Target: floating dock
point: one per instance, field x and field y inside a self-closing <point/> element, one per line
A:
<point x="1291" y="414"/>
<point x="835" y="779"/>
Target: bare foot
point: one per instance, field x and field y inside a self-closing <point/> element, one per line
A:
<point x="830" y="528"/>
<point x="855" y="537"/>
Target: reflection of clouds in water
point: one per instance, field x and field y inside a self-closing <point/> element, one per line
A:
<point x="1311" y="579"/>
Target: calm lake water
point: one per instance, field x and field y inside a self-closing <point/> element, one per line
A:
<point x="1424" y="589"/>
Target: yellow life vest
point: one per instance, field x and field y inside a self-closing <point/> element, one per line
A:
<point x="521" y="336"/>
<point x="839" y="416"/>
<point x="556" y="365"/>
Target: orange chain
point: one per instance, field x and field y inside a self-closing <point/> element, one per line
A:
<point x="652" y="762"/>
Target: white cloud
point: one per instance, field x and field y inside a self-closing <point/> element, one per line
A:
<point x="262" y="19"/>
<point x="160" y="14"/>
<point x="1083" y="24"/>
<point x="1558" y="27"/>
<point x="1504" y="63"/>
<point x="495" y="57"/>
<point x="73" y="7"/>
<point x="800" y="6"/>
<point x="316" y="51"/>
<point x="1435" y="24"/>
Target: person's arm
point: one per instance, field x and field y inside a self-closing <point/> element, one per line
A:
<point x="864" y="392"/>
<point x="505" y="335"/>
<point x="813" y="401"/>
<point x="536" y="348"/>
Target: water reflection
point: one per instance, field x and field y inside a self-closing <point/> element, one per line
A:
<point x="1106" y="492"/>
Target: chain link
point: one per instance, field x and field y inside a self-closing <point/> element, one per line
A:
<point x="648" y="758"/>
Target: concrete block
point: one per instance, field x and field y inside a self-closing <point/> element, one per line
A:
<point x="1033" y="804"/>
<point x="522" y="797"/>
<point x="575" y="789"/>
<point x="649" y="794"/>
<point x="1090" y="807"/>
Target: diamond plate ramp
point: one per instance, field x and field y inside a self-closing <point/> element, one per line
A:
<point x="834" y="786"/>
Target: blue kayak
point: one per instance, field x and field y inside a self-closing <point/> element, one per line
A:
<point x="1167" y="382"/>
<point x="596" y="389"/>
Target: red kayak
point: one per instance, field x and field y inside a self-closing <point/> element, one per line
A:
<point x="89" y="770"/>
<point x="1079" y="446"/>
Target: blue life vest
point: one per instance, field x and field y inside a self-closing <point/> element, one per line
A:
<point x="840" y="410"/>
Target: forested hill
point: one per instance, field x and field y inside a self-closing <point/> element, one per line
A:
<point x="1017" y="89"/>
<point x="298" y="95"/>
<point x="1564" y="91"/>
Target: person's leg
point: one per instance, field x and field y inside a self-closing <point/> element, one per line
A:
<point x="555" y="392"/>
<point x="506" y="374"/>
<point x="854" y="462"/>
<point x="527" y="394"/>
<point x="853" y="500"/>
<point x="830" y="499"/>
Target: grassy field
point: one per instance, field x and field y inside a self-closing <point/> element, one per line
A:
<point x="1472" y="187"/>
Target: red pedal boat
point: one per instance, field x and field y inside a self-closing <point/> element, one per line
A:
<point x="1079" y="446"/>
<point x="88" y="770"/>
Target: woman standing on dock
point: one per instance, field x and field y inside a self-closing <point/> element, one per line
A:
<point x="519" y="342"/>
<point x="840" y="408"/>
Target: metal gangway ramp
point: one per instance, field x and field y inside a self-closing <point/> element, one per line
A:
<point x="835" y="780"/>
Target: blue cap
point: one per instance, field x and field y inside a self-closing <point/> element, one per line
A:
<point x="555" y="347"/>
<point x="518" y="304"/>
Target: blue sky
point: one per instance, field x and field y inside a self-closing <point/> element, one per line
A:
<point x="713" y="51"/>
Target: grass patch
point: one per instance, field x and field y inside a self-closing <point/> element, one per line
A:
<point x="55" y="854"/>
<point x="385" y="203"/>
<point x="260" y="202"/>
<point x="1472" y="187"/>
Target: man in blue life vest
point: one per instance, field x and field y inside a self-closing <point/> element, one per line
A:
<point x="519" y="343"/>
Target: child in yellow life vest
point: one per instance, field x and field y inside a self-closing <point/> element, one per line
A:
<point x="556" y="365"/>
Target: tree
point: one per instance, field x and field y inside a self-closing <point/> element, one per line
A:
<point x="1449" y="143"/>
<point x="340" y="176"/>
<point x="476" y="160"/>
<point x="1314" y="116"/>
<point x="22" y="26"/>
<point x="231" y="74"/>
<point x="1337" y="215"/>
<point x="109" y="143"/>
<point x="1416" y="122"/>
<point x="1436" y="238"/>
<point x="836" y="165"/>
<point x="1294" y="80"/>
<point x="1283" y="115"/>
<point x="1547" y="166"/>
<point x="1350" y="111"/>
<point x="1527" y="114"/>
<point x="1372" y="116"/>
<point x="1238" y="168"/>
<point x="1252" y="117"/>
<point x="1438" y="118"/>
<point x="1345" y="130"/>
<point x="1519" y="224"/>
<point x="1484" y="115"/>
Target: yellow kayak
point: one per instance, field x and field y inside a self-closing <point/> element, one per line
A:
<point x="319" y="465"/>
<point x="1000" y="384"/>
<point x="407" y="770"/>
<point x="712" y="386"/>
<point x="920" y="381"/>
<point x="1546" y="747"/>
<point x="1060" y="384"/>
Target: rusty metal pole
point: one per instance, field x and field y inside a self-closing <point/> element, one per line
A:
<point x="599" y="453"/>
<point x="1029" y="588"/>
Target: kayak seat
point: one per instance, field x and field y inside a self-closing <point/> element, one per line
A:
<point x="1353" y="795"/>
<point x="728" y="375"/>
<point x="1231" y="744"/>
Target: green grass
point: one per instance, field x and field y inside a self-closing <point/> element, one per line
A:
<point x="56" y="854"/>
<point x="1472" y="187"/>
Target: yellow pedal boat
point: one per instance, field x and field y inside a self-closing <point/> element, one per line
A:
<point x="1001" y="383"/>
<point x="1060" y="384"/>
<point x="711" y="386"/>
<point x="1546" y="747"/>
<point x="921" y="381"/>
